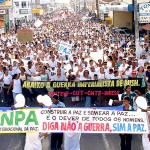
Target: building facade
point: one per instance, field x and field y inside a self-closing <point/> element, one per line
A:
<point x="121" y="13"/>
<point x="5" y="6"/>
<point x="21" y="11"/>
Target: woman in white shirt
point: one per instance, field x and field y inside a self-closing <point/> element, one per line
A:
<point x="6" y="79"/>
<point x="16" y="84"/>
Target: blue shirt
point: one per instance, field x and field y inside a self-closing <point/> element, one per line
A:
<point x="60" y="104"/>
<point x="129" y="109"/>
<point x="132" y="95"/>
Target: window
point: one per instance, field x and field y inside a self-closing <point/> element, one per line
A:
<point x="122" y="32"/>
<point x="23" y="4"/>
<point x="128" y="31"/>
<point x="16" y="4"/>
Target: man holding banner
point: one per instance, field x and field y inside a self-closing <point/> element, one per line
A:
<point x="126" y="138"/>
<point x="56" y="138"/>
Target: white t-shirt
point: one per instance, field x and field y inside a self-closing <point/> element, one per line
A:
<point x="141" y="62"/>
<point x="109" y="64"/>
<point x="109" y="76"/>
<point x="7" y="79"/>
<point x="84" y="79"/>
<point x="52" y="64"/>
<point x="117" y="77"/>
<point x="30" y="72"/>
<point x="15" y="70"/>
<point x="91" y="74"/>
<point x="72" y="141"/>
<point x="127" y="74"/>
<point x="80" y="73"/>
<point x="17" y="86"/>
<point x="106" y="70"/>
<point x="33" y="142"/>
<point x="61" y="78"/>
<point x="122" y="68"/>
<point x="101" y="76"/>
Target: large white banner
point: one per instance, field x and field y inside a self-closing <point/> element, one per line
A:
<point x="65" y="47"/>
<point x="73" y="120"/>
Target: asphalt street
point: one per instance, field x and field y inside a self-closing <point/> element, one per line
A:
<point x="88" y="141"/>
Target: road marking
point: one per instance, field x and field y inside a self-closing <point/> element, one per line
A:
<point x="106" y="143"/>
<point x="10" y="143"/>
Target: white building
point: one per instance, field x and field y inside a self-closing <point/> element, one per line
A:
<point x="21" y="10"/>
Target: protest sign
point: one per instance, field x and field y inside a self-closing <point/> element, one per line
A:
<point x="25" y="35"/>
<point x="38" y="23"/>
<point x="64" y="47"/>
<point x="81" y="88"/>
<point x="73" y="120"/>
<point x="97" y="55"/>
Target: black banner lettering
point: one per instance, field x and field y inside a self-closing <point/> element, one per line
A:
<point x="82" y="88"/>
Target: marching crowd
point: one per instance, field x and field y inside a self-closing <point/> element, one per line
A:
<point x="115" y="57"/>
<point x="41" y="60"/>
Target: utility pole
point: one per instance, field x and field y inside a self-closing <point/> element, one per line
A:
<point x="76" y="6"/>
<point x="136" y="27"/>
<point x="84" y="4"/>
<point x="79" y="5"/>
<point x="84" y="8"/>
<point x="97" y="8"/>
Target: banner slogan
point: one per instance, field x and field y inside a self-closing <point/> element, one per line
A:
<point x="65" y="47"/>
<point x="73" y="120"/>
<point x="81" y="88"/>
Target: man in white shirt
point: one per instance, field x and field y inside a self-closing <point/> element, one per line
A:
<point x="15" y="69"/>
<point x="142" y="60"/>
<point x="30" y="70"/>
<point x="109" y="75"/>
<point x="116" y="75"/>
<point x="29" y="55"/>
<point x="56" y="138"/>
<point x="92" y="72"/>
<point x="53" y="62"/>
<point x="59" y="76"/>
<point x="106" y="69"/>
